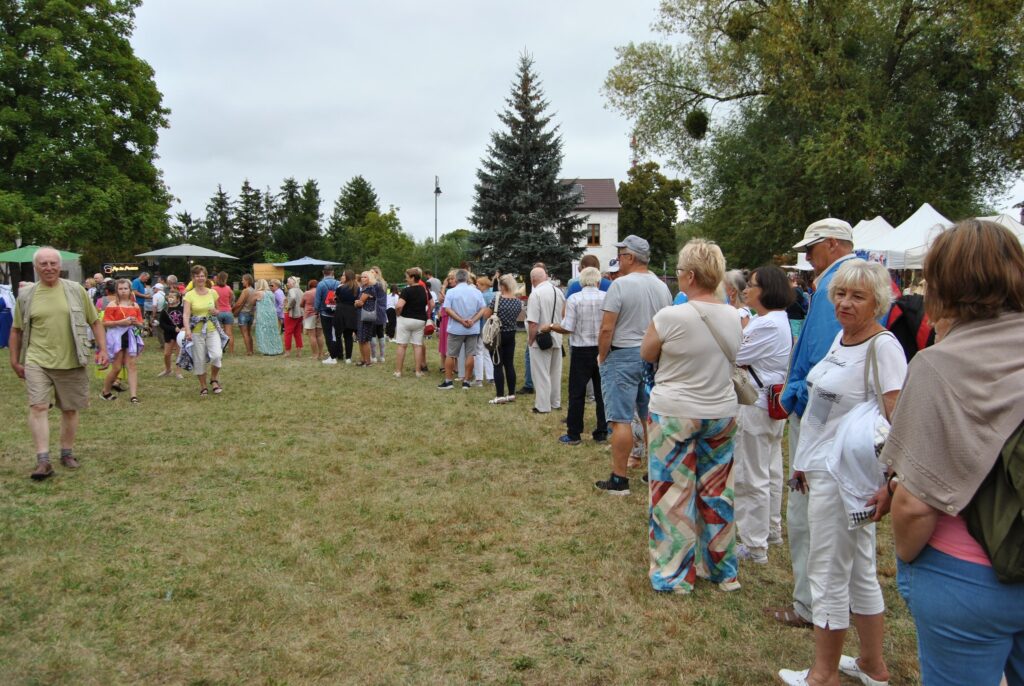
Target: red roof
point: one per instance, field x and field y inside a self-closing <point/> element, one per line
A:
<point x="598" y="194"/>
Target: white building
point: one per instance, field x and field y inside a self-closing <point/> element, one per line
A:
<point x="599" y="202"/>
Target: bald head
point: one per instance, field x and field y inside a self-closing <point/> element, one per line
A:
<point x="538" y="275"/>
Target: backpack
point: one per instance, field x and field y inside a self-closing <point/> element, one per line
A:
<point x="492" y="328"/>
<point x="331" y="300"/>
<point x="909" y="323"/>
<point x="995" y="515"/>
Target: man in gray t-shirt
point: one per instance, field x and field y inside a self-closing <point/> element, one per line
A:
<point x="630" y="305"/>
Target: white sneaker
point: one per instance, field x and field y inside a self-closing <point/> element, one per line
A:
<point x="747" y="555"/>
<point x="330" y="360"/>
<point x="791" y="677"/>
<point x="348" y="361"/>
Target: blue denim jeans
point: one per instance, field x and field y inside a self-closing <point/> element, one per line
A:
<point x="970" y="627"/>
<point x="622" y="382"/>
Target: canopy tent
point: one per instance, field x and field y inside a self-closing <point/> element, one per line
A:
<point x="26" y="252"/>
<point x="306" y="262"/>
<point x="1009" y="222"/>
<point x="186" y="250"/>
<point x="904" y="247"/>
<point x="870" y="230"/>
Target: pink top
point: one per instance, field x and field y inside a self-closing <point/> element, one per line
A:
<point x="952" y="537"/>
<point x="223" y="298"/>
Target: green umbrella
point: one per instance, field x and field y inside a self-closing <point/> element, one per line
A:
<point x="26" y="252"/>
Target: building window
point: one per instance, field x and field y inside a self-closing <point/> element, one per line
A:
<point x="593" y="235"/>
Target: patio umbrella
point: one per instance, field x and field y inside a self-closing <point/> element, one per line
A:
<point x="26" y="252"/>
<point x="306" y="262"/>
<point x="186" y="250"/>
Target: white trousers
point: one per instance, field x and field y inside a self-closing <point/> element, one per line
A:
<point x="547" y="377"/>
<point x="841" y="562"/>
<point x="758" y="468"/>
<point x="799" y="533"/>
<point x="205" y="345"/>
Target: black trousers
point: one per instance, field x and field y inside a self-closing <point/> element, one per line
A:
<point x="330" y="336"/>
<point x="389" y="328"/>
<point x="583" y="368"/>
<point x="346" y="337"/>
<point x="505" y="368"/>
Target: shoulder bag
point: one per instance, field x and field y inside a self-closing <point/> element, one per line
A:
<point x="746" y="393"/>
<point x="492" y="327"/>
<point x="544" y="340"/>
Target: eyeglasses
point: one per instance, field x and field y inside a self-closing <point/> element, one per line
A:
<point x="623" y="254"/>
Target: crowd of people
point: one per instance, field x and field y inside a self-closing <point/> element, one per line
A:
<point x="703" y="386"/>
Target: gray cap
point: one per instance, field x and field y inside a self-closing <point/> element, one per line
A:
<point x="830" y="227"/>
<point x="635" y="244"/>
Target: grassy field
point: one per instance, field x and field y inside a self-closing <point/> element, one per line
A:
<point x="320" y="524"/>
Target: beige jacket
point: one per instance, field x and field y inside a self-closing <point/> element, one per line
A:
<point x="963" y="399"/>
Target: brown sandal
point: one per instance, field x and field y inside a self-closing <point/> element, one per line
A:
<point x="787" y="616"/>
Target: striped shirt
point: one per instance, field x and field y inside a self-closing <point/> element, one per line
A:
<point x="583" y="317"/>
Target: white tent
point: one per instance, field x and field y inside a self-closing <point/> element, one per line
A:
<point x="1009" y="222"/>
<point x="869" y="231"/>
<point x="905" y="246"/>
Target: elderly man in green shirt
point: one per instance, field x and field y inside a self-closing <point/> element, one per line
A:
<point x="50" y="351"/>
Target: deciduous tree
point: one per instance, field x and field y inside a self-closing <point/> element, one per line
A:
<point x="79" y="118"/>
<point x="650" y="208"/>
<point x="788" y="111"/>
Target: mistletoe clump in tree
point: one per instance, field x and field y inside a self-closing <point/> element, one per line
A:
<point x="522" y="213"/>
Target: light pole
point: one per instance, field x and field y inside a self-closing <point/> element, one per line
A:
<point x="437" y="194"/>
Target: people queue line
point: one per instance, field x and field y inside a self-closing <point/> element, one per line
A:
<point x="868" y="435"/>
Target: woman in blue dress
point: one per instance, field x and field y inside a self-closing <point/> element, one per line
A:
<point x="265" y="328"/>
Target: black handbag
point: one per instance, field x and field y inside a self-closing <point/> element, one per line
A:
<point x="544" y="339"/>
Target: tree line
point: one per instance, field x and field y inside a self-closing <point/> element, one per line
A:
<point x="268" y="226"/>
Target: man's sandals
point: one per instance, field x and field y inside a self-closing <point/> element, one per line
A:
<point x="787" y="616"/>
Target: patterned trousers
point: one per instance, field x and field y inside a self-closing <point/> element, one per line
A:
<point x="692" y="530"/>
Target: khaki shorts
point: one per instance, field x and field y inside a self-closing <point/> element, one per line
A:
<point x="70" y="386"/>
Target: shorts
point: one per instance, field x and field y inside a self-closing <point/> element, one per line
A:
<point x="457" y="341"/>
<point x="367" y="331"/>
<point x="70" y="386"/>
<point x="245" y="318"/>
<point x="311" y="322"/>
<point x="622" y="386"/>
<point x="225" y="318"/>
<point x="409" y="330"/>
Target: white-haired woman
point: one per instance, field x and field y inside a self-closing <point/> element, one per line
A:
<point x="841" y="559"/>
<point x="293" y="312"/>
<point x="735" y="284"/>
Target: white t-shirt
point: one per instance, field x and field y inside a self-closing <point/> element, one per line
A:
<point x="694" y="378"/>
<point x="835" y="385"/>
<point x="767" y="344"/>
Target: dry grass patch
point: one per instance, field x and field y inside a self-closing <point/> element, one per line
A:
<point x="321" y="524"/>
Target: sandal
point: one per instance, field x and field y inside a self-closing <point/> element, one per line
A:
<point x="217" y="390"/>
<point x="135" y="400"/>
<point x="500" y="400"/>
<point x="787" y="616"/>
<point x="204" y="392"/>
<point x="116" y="386"/>
<point x="108" y="396"/>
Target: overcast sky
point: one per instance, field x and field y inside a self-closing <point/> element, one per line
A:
<point x="395" y="90"/>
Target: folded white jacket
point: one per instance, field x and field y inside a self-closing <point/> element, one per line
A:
<point x="853" y="460"/>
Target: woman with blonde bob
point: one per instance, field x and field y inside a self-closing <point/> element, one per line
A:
<point x="692" y="412"/>
<point x="964" y="398"/>
<point x="370" y="293"/>
<point x="864" y="367"/>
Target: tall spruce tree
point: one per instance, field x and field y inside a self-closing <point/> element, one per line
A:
<point x="356" y="200"/>
<point x="218" y="222"/>
<point x="522" y="213"/>
<point x="250" y="225"/>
